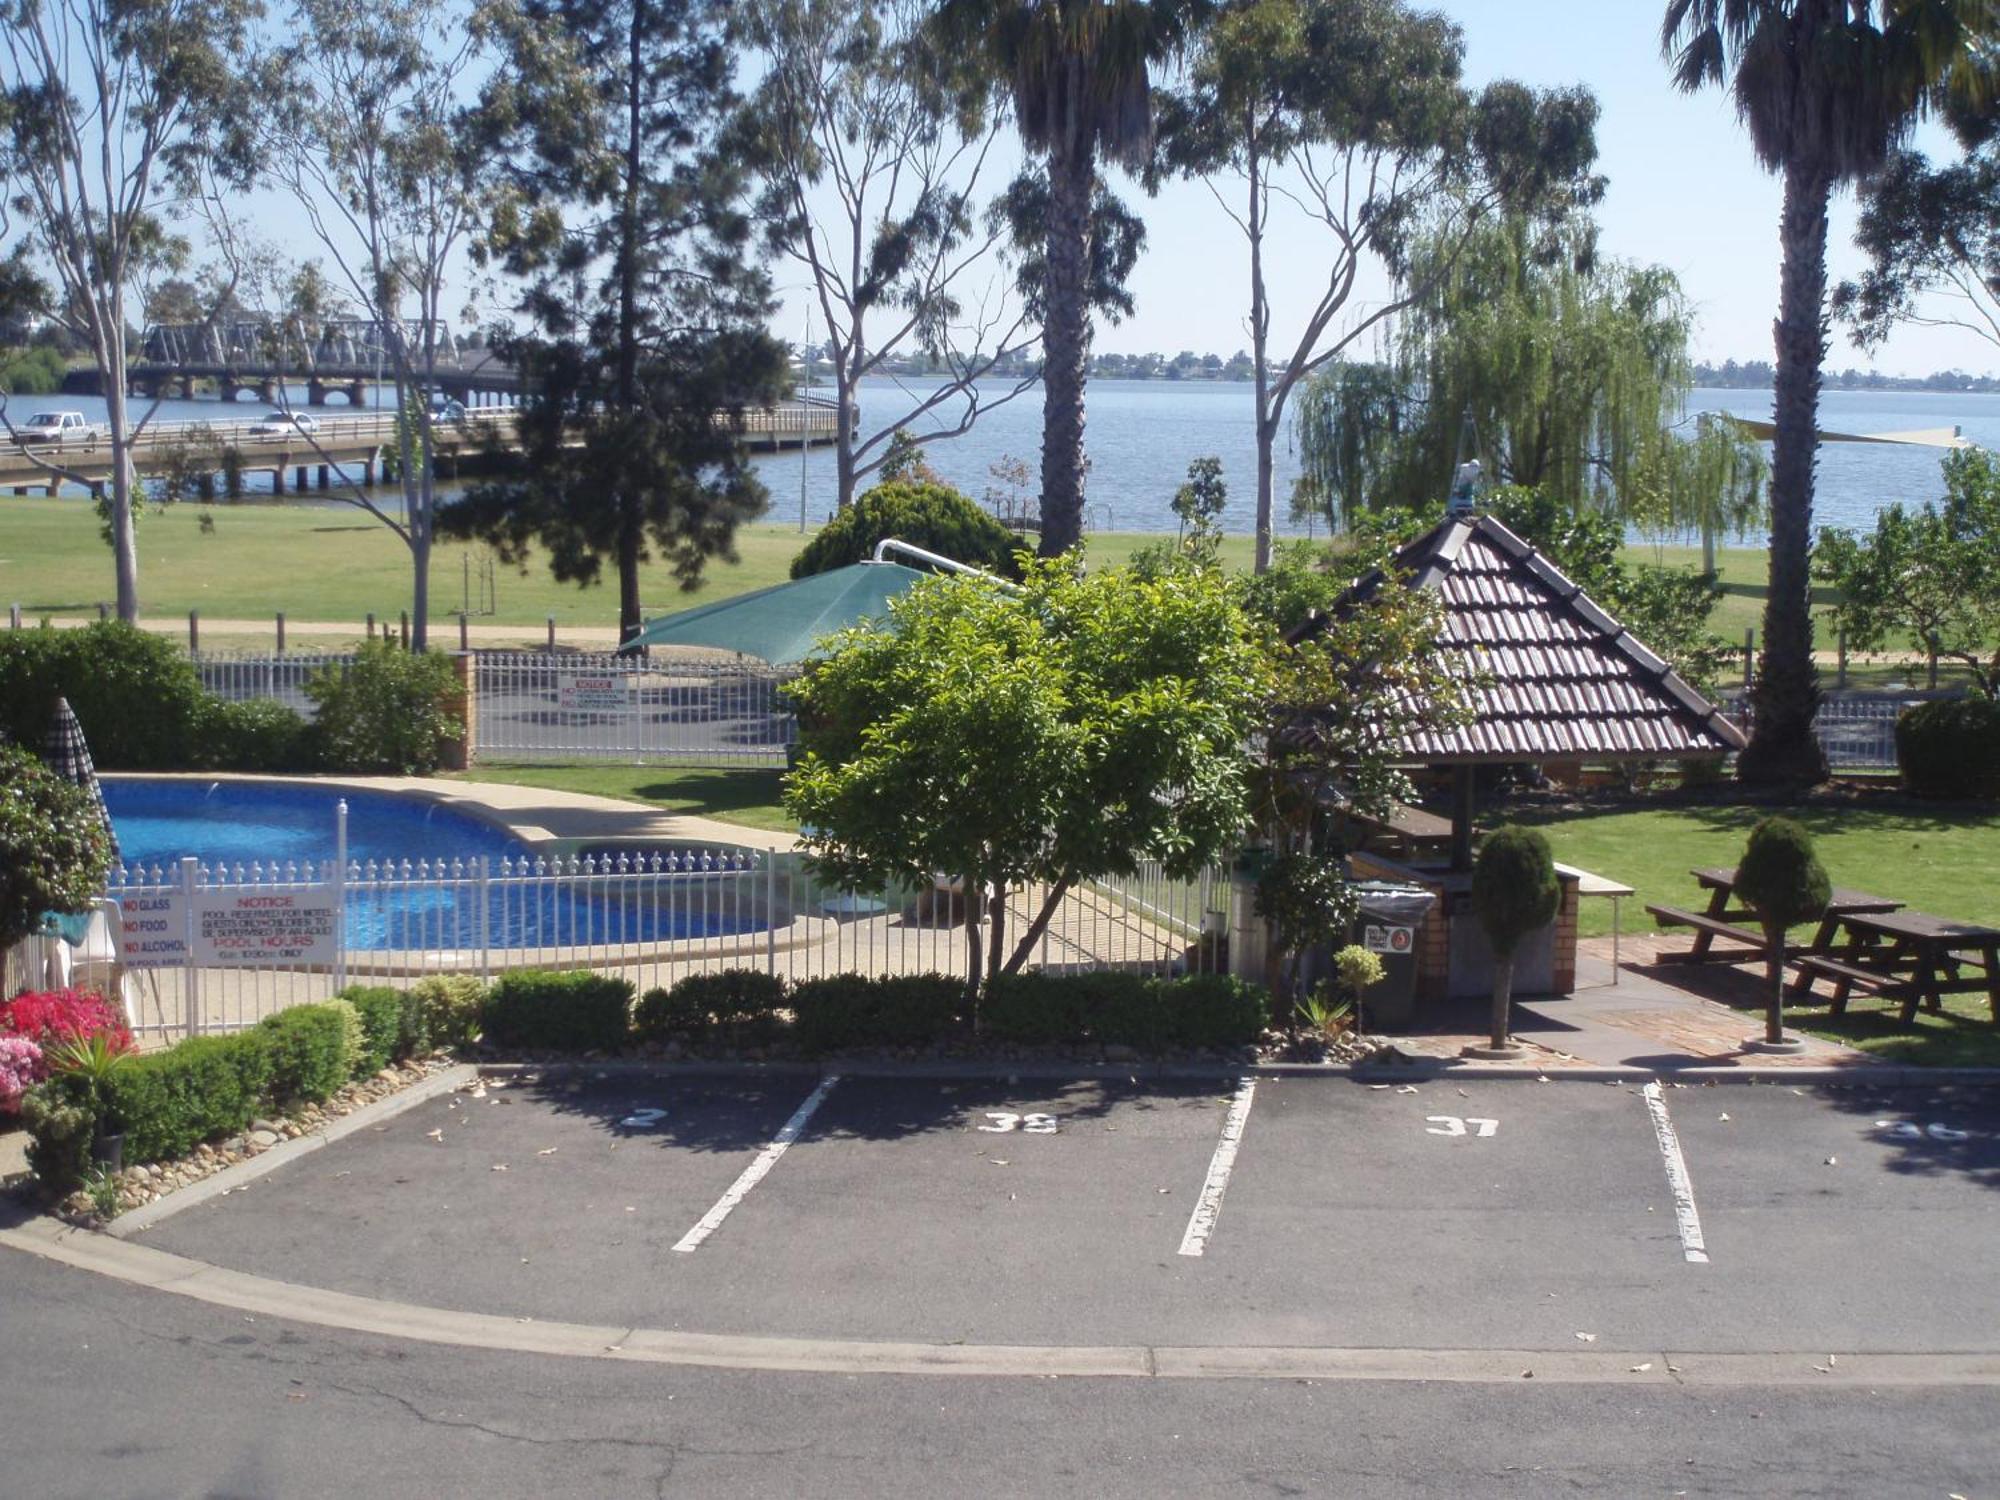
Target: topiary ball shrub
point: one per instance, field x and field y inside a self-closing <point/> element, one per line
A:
<point x="558" y="1012"/>
<point x="1514" y="892"/>
<point x="1780" y="877"/>
<point x="1950" y="749"/>
<point x="935" y="517"/>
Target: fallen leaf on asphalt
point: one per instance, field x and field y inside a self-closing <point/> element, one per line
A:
<point x="1527" y="1374"/>
<point x="1723" y="1116"/>
<point x="499" y="1166"/>
<point x="1463" y="1095"/>
<point x="1833" y="1359"/>
<point x="1833" y="1161"/>
<point x="1163" y="1190"/>
<point x="1824" y="1369"/>
<point x="1642" y="1369"/>
<point x="1675" y="1370"/>
<point x="1543" y="1078"/>
<point x="1408" y="1088"/>
<point x="1377" y="1088"/>
<point x="548" y="1151"/>
<point x="436" y="1135"/>
<point x="630" y="1209"/>
<point x="998" y="1161"/>
<point x="1588" y="1338"/>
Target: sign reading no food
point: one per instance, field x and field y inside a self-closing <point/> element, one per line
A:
<point x="234" y="929"/>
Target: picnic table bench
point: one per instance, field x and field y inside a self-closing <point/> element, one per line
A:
<point x="1719" y="922"/>
<point x="1909" y="956"/>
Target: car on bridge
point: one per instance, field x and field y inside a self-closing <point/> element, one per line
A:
<point x="284" y="424"/>
<point x="55" y="428"/>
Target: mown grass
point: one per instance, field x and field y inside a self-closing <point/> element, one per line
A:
<point x="750" y="796"/>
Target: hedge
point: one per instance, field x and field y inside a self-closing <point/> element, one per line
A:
<point x="1204" y="1010"/>
<point x="1950" y="748"/>
<point x="558" y="1012"/>
<point x="850" y="1010"/>
<point x="208" y="1086"/>
<point x="309" y="1051"/>
<point x="381" y="1012"/>
<point x="744" y="1002"/>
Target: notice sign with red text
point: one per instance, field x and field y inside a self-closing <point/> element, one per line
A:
<point x="596" y="693"/>
<point x="251" y="928"/>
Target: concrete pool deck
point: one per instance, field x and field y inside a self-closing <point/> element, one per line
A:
<point x="551" y="821"/>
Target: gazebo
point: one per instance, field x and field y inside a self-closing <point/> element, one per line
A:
<point x="1555" y="678"/>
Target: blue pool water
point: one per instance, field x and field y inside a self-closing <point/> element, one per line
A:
<point x="232" y="823"/>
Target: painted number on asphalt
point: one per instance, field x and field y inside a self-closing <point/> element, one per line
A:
<point x="1453" y="1125"/>
<point x="643" y="1119"/>
<point x="1903" y="1130"/>
<point x="1032" y="1124"/>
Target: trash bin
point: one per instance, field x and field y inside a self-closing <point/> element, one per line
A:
<point x="1386" y="926"/>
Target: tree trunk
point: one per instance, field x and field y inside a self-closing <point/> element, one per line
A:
<point x="975" y="954"/>
<point x="1503" y="997"/>
<point x="843" y="447"/>
<point x="1774" y="1018"/>
<point x="996" y="921"/>
<point x="1783" y="749"/>
<point x="1260" y="339"/>
<point x="630" y="539"/>
<point x="631" y="536"/>
<point x="1065" y="348"/>
<point x="124" y="535"/>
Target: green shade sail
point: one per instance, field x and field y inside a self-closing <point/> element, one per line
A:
<point x="783" y="623"/>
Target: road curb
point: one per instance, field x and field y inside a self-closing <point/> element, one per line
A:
<point x="243" y="1173"/>
<point x="948" y="1070"/>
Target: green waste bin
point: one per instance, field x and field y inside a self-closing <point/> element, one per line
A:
<point x="1386" y="925"/>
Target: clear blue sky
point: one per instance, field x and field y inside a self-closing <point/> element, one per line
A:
<point x="1685" y="192"/>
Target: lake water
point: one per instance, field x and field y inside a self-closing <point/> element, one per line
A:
<point x="1142" y="434"/>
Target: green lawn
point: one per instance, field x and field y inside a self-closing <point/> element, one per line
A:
<point x="749" y="797"/>
<point x="1940" y="860"/>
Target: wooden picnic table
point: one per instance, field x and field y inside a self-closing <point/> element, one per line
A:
<point x="1910" y="956"/>
<point x="1720" y="919"/>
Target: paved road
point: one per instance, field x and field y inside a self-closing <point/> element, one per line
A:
<point x="1462" y="1217"/>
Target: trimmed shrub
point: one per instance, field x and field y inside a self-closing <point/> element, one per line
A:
<point x="1514" y="886"/>
<point x="935" y="517"/>
<point x="353" y="1038"/>
<point x="1127" y="1009"/>
<point x="451" y="1005"/>
<point x="389" y="711"/>
<point x="48" y="1016"/>
<point x="22" y="1066"/>
<point x="136" y="695"/>
<point x="1780" y="878"/>
<point x="60" y="1116"/>
<point x="1031" y="1008"/>
<point x="257" y="734"/>
<point x="1214" y="1010"/>
<point x="381" y="1012"/>
<point x="208" y="1086"/>
<point x="745" y="1002"/>
<point x="309" y="1053"/>
<point x="1950" y="748"/>
<point x="558" y="1012"/>
<point x="413" y="1027"/>
<point x="54" y="852"/>
<point x="851" y="1010"/>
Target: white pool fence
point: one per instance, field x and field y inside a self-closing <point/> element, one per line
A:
<point x="199" y="949"/>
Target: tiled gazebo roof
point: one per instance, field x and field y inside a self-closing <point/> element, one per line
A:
<point x="1557" y="676"/>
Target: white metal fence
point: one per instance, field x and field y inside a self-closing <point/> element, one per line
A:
<point x="1857" y="730"/>
<point x="201" y="949"/>
<point x="562" y="707"/>
<point x="241" y="675"/>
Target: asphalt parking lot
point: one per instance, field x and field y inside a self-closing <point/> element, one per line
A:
<point x="1435" y="1214"/>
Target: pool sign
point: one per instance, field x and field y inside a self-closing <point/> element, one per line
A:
<point x="153" y="930"/>
<point x="591" y="692"/>
<point x="1378" y="939"/>
<point x="247" y="928"/>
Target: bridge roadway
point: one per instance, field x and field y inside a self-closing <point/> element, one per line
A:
<point x="341" y="447"/>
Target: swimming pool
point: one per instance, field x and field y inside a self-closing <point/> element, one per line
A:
<point x="423" y="877"/>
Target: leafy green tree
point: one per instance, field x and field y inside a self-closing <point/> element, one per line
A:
<point x="1514" y="893"/>
<point x="1827" y="89"/>
<point x="1932" y="238"/>
<point x="389" y="711"/>
<point x="626" y="175"/>
<point x="933" y="516"/>
<point x="1356" y="113"/>
<point x="54" y="850"/>
<point x="1559" y="371"/>
<point x="110" y="113"/>
<point x="1081" y="76"/>
<point x="371" y="137"/>
<point x="1782" y="881"/>
<point x="1030" y="739"/>
<point x="901" y="255"/>
<point x="1930" y="575"/>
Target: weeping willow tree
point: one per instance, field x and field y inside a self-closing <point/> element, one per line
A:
<point x="1557" y="371"/>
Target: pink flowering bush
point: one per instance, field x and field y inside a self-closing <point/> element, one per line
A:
<point x="21" y="1068"/>
<point x="45" y="1017"/>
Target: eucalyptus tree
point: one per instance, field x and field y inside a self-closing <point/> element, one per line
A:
<point x="1827" y="90"/>
<point x="625" y="167"/>
<point x="111" y="109"/>
<point x="1932" y="238"/>
<point x="1356" y="113"/>
<point x="370" y="139"/>
<point x="878" y="140"/>
<point x="1557" y="370"/>
<point x="1080" y="74"/>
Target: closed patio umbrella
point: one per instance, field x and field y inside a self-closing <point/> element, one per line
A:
<point x="68" y="755"/>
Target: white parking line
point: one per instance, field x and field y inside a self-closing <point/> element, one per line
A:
<point x="1677" y="1176"/>
<point x="1206" y="1211"/>
<point x="754" y="1173"/>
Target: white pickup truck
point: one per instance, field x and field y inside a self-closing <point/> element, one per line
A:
<point x="55" y="427"/>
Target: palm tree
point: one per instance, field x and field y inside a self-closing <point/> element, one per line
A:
<point x="1080" y="73"/>
<point x="1827" y="89"/>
